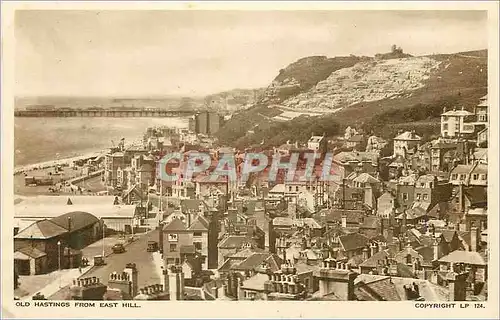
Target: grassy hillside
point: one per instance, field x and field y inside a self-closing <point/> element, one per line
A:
<point x="305" y="74"/>
<point x="460" y="81"/>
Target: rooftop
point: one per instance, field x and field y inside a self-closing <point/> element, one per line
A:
<point x="44" y="229"/>
<point x="353" y="241"/>
<point x="467" y="257"/>
<point x="459" y="113"/>
<point x="75" y="220"/>
<point x="408" y="136"/>
<point x="28" y="252"/>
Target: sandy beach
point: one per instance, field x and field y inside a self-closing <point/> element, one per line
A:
<point x="67" y="161"/>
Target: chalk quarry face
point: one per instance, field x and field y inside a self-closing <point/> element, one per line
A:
<point x="366" y="81"/>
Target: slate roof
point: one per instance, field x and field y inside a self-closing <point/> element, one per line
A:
<point x="467" y="257"/>
<point x="386" y="288"/>
<point x="255" y="261"/>
<point x="366" y="178"/>
<point x="44" y="229"/>
<point x="255" y="283"/>
<point x="353" y="241"/>
<point x="28" y="252"/>
<point x="408" y="135"/>
<point x="79" y="220"/>
<point x="373" y="261"/>
<point x="200" y="224"/>
<point x="175" y="225"/>
<point x="236" y="241"/>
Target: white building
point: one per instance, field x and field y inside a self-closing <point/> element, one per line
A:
<point x="317" y="143"/>
<point x="455" y="123"/>
<point x="118" y="217"/>
<point x="405" y="142"/>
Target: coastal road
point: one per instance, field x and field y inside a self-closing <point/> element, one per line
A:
<point x="136" y="253"/>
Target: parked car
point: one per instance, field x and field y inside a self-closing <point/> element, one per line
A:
<point x="99" y="260"/>
<point x="152" y="246"/>
<point x="118" y="248"/>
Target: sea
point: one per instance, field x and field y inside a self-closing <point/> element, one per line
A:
<point x="43" y="139"/>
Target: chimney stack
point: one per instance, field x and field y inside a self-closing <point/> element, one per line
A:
<point x="437" y="249"/>
<point x="457" y="284"/>
<point x="365" y="254"/>
<point x="176" y="283"/>
<point x="373" y="249"/>
<point x="474" y="235"/>
<point x="344" y="220"/>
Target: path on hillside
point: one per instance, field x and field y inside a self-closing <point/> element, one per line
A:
<point x="473" y="57"/>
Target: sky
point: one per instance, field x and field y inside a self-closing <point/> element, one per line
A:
<point x="195" y="53"/>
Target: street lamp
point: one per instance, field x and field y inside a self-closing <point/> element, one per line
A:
<point x="59" y="257"/>
<point x="103" y="237"/>
<point x="69" y="249"/>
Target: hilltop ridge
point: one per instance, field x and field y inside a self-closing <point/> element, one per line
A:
<point x="360" y="91"/>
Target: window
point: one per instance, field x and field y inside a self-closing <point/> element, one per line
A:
<point x="418" y="196"/>
<point x="172" y="237"/>
<point x="445" y="118"/>
<point x="173" y="247"/>
<point x="454" y="176"/>
<point x="408" y="258"/>
<point x="445" y="126"/>
<point x="290" y="188"/>
<point x="426" y="196"/>
<point x="197" y="234"/>
<point x="197" y="246"/>
<point x="297" y="188"/>
<point x="484" y="176"/>
<point x="405" y="196"/>
<point x="475" y="176"/>
<point x="462" y="177"/>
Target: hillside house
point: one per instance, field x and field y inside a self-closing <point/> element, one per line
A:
<point x="406" y="143"/>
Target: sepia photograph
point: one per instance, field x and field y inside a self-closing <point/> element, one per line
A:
<point x="230" y="155"/>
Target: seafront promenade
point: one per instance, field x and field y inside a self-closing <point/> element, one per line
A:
<point x="59" y="162"/>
